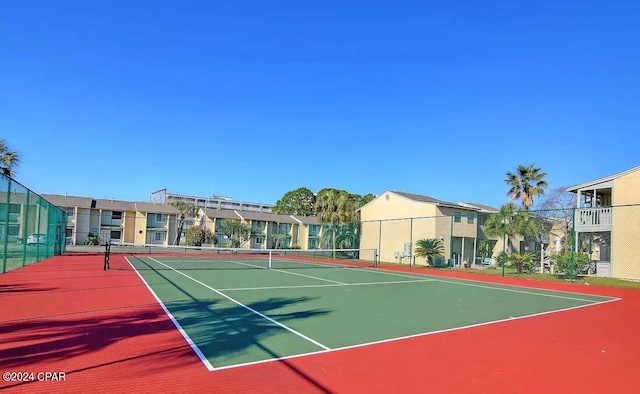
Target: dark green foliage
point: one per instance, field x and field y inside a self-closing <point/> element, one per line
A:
<point x="522" y="261"/>
<point x="296" y="202"/>
<point x="429" y="248"/>
<point x="340" y="236"/>
<point x="196" y="236"/>
<point x="567" y="267"/>
<point x="8" y="159"/>
<point x="92" y="239"/>
<point x="235" y="230"/>
<point x="525" y="184"/>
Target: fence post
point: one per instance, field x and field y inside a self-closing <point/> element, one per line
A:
<point x="451" y="262"/>
<point x="38" y="229"/>
<point x="504" y="240"/>
<point x="25" y="229"/>
<point x="379" y="238"/>
<point x="411" y="242"/>
<point x="573" y="251"/>
<point x="6" y="227"/>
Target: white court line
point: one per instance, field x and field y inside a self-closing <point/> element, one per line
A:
<point x="413" y="336"/>
<point x="518" y="291"/>
<point x="291" y="330"/>
<point x="292" y="273"/>
<point x="463" y="282"/>
<point x="334" y="285"/>
<point x="474" y="283"/>
<point x="186" y="337"/>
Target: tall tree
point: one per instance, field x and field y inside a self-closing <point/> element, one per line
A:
<point x="525" y="184"/>
<point x="197" y="235"/>
<point x="8" y="159"/>
<point x="510" y="222"/>
<point x="366" y="199"/>
<point x="185" y="210"/>
<point x="300" y="201"/>
<point x="336" y="206"/>
<point x="236" y="231"/>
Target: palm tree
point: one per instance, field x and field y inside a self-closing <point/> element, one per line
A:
<point x="525" y="184"/>
<point x="510" y="222"/>
<point x="8" y="159"/>
<point x="502" y="224"/>
<point x="336" y="206"/>
<point x="279" y="239"/>
<point x="342" y="235"/>
<point x="521" y="260"/>
<point x="429" y="248"/>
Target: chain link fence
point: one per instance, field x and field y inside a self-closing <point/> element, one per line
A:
<point x="570" y="242"/>
<point x="31" y="228"/>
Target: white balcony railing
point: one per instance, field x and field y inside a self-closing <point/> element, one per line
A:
<point x="594" y="219"/>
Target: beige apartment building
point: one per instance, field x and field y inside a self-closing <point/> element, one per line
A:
<point x="156" y="224"/>
<point x="117" y="221"/>
<point x="394" y="221"/>
<point x="607" y="223"/>
<point x="301" y="232"/>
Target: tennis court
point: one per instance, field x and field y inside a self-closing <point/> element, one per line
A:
<point x="241" y="309"/>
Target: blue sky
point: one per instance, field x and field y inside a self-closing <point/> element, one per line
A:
<point x="251" y="99"/>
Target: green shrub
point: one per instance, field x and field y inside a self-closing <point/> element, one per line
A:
<point x="563" y="262"/>
<point x="196" y="235"/>
<point x="92" y="239"/>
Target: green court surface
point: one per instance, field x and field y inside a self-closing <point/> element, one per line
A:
<point x="240" y="314"/>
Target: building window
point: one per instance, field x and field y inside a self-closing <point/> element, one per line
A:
<point x="258" y="226"/>
<point x="470" y="218"/>
<point x="116" y="234"/>
<point x="259" y="240"/>
<point x="161" y="218"/>
<point x="313" y="243"/>
<point x="13" y="230"/>
<point x="159" y="236"/>
<point x="314" y="230"/>
<point x="71" y="211"/>
<point x="116" y="215"/>
<point x="68" y="232"/>
<point x="457" y="217"/>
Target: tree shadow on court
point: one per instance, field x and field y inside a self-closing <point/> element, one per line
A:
<point x="218" y="327"/>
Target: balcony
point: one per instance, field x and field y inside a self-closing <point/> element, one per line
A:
<point x="594" y="219"/>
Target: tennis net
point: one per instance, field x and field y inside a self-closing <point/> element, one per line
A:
<point x="210" y="258"/>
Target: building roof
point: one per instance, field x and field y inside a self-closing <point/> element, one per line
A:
<point x="221" y="213"/>
<point x="266" y="217"/>
<point x="480" y="207"/>
<point x="306" y="219"/>
<point x="108" y="205"/>
<point x="115" y="205"/>
<point x="155" y="208"/>
<point x="427" y="199"/>
<point x="69" y="201"/>
<point x="602" y="180"/>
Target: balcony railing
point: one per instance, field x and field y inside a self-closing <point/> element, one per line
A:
<point x="594" y="219"/>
